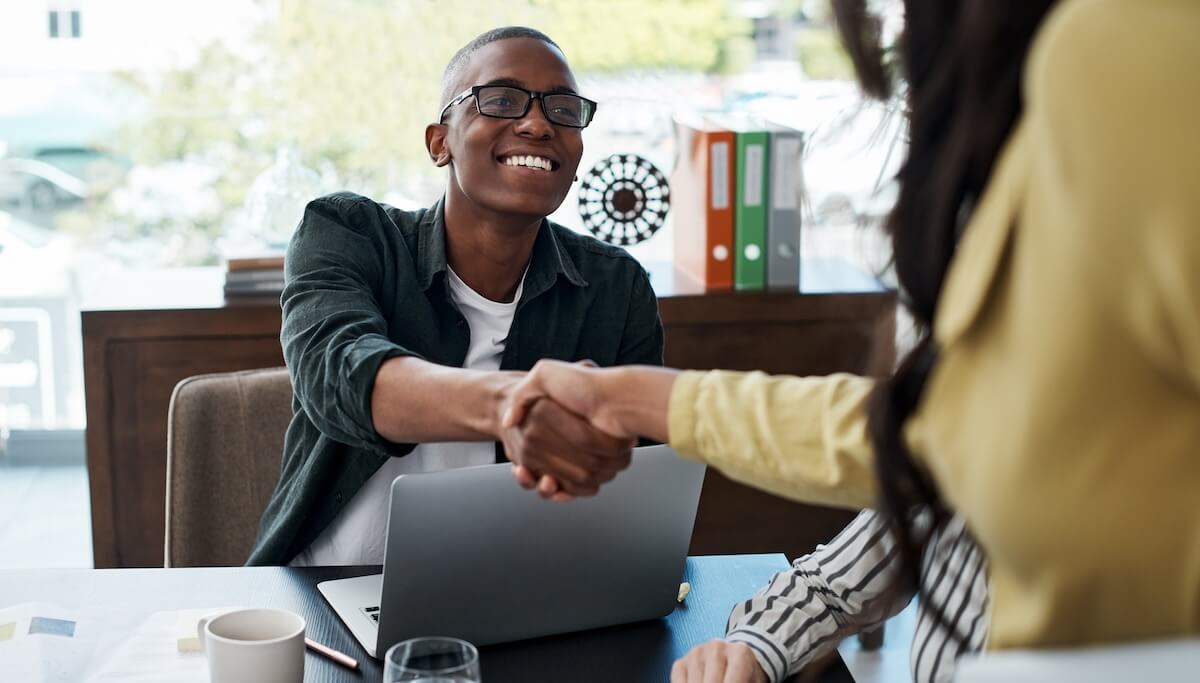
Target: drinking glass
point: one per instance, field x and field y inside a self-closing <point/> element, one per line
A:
<point x="432" y="660"/>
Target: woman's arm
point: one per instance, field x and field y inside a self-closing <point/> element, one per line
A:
<point x="802" y="438"/>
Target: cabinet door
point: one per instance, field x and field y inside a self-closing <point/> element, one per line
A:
<point x="142" y="373"/>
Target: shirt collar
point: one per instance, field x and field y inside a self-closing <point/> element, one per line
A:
<point x="549" y="259"/>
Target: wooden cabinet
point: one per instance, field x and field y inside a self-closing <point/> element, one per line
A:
<point x="135" y="354"/>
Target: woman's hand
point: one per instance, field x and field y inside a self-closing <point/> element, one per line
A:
<point x="577" y="387"/>
<point x="718" y="661"/>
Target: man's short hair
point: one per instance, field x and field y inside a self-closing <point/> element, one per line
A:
<point x="459" y="61"/>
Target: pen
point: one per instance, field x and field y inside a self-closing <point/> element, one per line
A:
<point x="339" y="657"/>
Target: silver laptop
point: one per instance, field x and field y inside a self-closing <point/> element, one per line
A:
<point x="472" y="555"/>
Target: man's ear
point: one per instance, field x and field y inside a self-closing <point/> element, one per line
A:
<point x="435" y="144"/>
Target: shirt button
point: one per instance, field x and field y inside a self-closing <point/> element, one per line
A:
<point x="337" y="497"/>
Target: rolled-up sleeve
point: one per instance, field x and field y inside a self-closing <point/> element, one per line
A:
<point x="334" y="333"/>
<point x="803" y="438"/>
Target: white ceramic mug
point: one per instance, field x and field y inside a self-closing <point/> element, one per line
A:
<point x="259" y="644"/>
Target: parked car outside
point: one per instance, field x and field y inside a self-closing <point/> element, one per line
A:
<point x="34" y="185"/>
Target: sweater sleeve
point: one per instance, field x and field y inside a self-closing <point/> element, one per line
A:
<point x="803" y="438"/>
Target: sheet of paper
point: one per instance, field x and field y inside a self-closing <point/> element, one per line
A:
<point x="43" y="643"/>
<point x="150" y="655"/>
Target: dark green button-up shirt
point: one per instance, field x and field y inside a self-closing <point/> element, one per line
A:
<point x="366" y="282"/>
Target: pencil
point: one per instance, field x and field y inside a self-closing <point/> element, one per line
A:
<point x="339" y="657"/>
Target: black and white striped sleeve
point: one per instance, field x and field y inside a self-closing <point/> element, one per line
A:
<point x="840" y="588"/>
<point x="954" y="583"/>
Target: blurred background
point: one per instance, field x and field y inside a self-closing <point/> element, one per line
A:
<point x="141" y="136"/>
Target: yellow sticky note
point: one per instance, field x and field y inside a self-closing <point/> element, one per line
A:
<point x="186" y="637"/>
<point x="7" y="631"/>
<point x="186" y="626"/>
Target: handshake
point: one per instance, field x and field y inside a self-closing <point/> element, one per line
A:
<point x="571" y="427"/>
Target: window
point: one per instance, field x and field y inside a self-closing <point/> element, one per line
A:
<point x="767" y="38"/>
<point x="64" y="23"/>
<point x="138" y="149"/>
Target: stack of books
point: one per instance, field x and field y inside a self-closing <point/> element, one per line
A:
<point x="735" y="199"/>
<point x="254" y="276"/>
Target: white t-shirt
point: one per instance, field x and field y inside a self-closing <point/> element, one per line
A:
<point x="357" y="534"/>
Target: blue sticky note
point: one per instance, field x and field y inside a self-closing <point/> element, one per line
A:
<point x="52" y="627"/>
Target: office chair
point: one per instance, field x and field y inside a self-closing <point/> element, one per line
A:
<point x="224" y="446"/>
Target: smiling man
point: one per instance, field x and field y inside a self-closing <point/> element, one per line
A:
<point x="404" y="332"/>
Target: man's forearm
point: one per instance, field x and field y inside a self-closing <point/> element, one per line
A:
<point x="415" y="401"/>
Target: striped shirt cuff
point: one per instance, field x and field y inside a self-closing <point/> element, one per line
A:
<point x="768" y="652"/>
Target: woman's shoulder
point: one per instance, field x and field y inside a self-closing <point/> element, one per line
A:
<point x="1111" y="85"/>
<point x="1116" y="46"/>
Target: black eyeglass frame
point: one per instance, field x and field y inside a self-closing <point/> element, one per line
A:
<point x="540" y="96"/>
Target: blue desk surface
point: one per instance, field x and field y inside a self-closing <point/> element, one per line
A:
<point x="636" y="652"/>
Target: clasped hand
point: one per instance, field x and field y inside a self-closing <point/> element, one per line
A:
<point x="555" y="432"/>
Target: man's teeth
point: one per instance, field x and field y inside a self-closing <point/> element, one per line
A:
<point x="530" y="161"/>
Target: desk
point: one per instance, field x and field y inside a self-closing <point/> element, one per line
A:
<point x="144" y="332"/>
<point x="629" y="654"/>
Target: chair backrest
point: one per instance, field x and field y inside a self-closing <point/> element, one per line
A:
<point x="224" y="446"/>
<point x="1161" y="661"/>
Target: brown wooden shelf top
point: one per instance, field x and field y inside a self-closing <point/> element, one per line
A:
<point x="202" y="287"/>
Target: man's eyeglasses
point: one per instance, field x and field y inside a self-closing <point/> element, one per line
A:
<point x="511" y="102"/>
